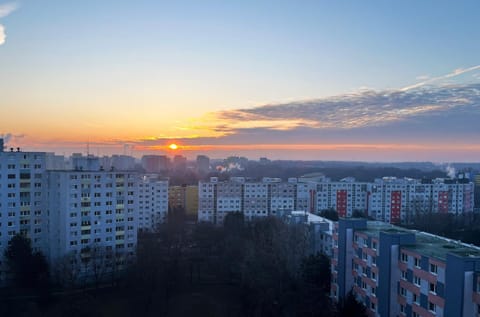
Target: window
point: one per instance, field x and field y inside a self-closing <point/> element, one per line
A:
<point x="374" y="276"/>
<point x="404" y="257"/>
<point x="403" y="292"/>
<point x="374" y="245"/>
<point x="404" y="275"/>
<point x="416" y="280"/>
<point x="416" y="299"/>
<point x="433" y="287"/>
<point x="431" y="306"/>
<point x="402" y="308"/>
<point x="373" y="306"/>
<point x="416" y="262"/>
<point x="433" y="268"/>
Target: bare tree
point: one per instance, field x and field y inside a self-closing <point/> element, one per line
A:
<point x="67" y="270"/>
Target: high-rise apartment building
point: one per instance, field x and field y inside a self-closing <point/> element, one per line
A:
<point x="400" y="272"/>
<point x="91" y="209"/>
<point x="151" y="163"/>
<point x="203" y="164"/>
<point x="399" y="200"/>
<point x="22" y="199"/>
<point x="184" y="197"/>
<point x="345" y="196"/>
<point x="153" y="202"/>
<point x="388" y="199"/>
<point x="270" y="196"/>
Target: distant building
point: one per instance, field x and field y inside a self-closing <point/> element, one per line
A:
<point x="400" y="272"/>
<point x="164" y="163"/>
<point x="154" y="163"/>
<point x="264" y="161"/>
<point x="153" y="202"/>
<point x="55" y="162"/>
<point x="179" y="163"/>
<point x="388" y="199"/>
<point x="123" y="163"/>
<point x="184" y="197"/>
<point x="270" y="196"/>
<point x="87" y="163"/>
<point x="399" y="200"/>
<point x="203" y="164"/>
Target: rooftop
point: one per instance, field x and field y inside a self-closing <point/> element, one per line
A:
<point x="427" y="244"/>
<point x="438" y="247"/>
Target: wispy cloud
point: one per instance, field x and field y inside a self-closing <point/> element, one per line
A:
<point x="427" y="81"/>
<point x="5" y="10"/>
<point x="352" y="111"/>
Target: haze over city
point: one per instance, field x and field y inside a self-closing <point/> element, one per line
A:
<point x="288" y="80"/>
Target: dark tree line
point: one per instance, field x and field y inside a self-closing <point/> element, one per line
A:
<point x="260" y="268"/>
<point x="464" y="227"/>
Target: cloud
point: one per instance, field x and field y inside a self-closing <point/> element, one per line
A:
<point x="3" y="36"/>
<point x="364" y="109"/>
<point x="5" y="10"/>
<point x="456" y="72"/>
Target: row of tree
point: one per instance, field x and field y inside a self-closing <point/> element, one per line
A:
<point x="260" y="268"/>
<point x="464" y="227"/>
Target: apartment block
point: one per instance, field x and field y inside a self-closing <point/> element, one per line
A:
<point x="92" y="209"/>
<point x="400" y="272"/>
<point x="254" y="199"/>
<point x="184" y="197"/>
<point x="22" y="199"/>
<point x="152" y="202"/>
<point x="399" y="200"/>
<point x="345" y="196"/>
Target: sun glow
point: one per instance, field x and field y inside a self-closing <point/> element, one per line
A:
<point x="173" y="146"/>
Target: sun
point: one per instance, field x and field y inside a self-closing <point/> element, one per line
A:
<point x="173" y="146"/>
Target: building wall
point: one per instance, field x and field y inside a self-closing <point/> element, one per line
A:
<point x="92" y="209"/>
<point x="153" y="202"/>
<point x="22" y="200"/>
<point x="397" y="272"/>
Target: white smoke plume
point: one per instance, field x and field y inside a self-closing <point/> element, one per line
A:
<point x="450" y="171"/>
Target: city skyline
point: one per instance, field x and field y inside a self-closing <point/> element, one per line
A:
<point x="324" y="81"/>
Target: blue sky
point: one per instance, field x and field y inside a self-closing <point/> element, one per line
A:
<point x="127" y="71"/>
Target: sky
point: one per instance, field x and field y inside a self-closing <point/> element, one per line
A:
<point x="323" y="80"/>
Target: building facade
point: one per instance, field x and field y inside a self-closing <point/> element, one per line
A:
<point x="184" y="197"/>
<point x="400" y="272"/>
<point x="269" y="197"/>
<point x="92" y="210"/>
<point x="388" y="199"/>
<point x="22" y="200"/>
<point x="152" y="202"/>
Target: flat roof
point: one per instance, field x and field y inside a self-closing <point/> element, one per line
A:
<point x="438" y="247"/>
<point x="426" y="244"/>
